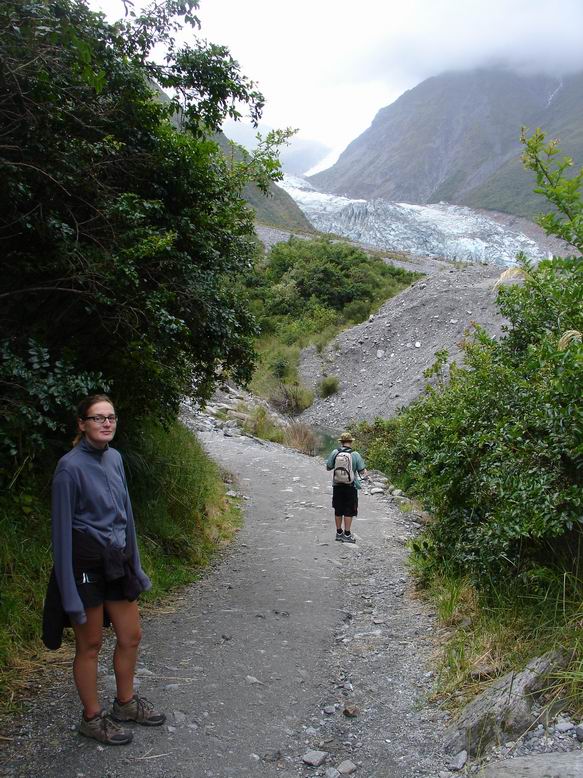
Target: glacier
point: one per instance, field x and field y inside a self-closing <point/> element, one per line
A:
<point x="440" y="230"/>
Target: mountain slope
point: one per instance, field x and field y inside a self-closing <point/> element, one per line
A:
<point x="276" y="208"/>
<point x="455" y="138"/>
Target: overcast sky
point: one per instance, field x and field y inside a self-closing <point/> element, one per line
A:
<point x="327" y="66"/>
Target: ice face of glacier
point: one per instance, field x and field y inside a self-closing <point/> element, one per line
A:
<point x="446" y="231"/>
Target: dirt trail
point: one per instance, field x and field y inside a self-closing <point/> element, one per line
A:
<point x="286" y="623"/>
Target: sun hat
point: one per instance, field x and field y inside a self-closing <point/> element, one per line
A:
<point x="346" y="437"/>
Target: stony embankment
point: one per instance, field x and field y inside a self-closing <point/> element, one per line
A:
<point x="380" y="363"/>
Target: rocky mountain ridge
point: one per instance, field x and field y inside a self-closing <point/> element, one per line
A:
<point x="455" y="138"/>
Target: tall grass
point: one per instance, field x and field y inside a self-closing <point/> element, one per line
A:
<point x="291" y="399"/>
<point x="487" y="633"/>
<point x="182" y="517"/>
<point x="262" y="425"/>
<point x="301" y="437"/>
<point x="328" y="386"/>
<point x="179" y="502"/>
<point x="25" y="562"/>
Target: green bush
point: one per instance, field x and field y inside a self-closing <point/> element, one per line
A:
<point x="123" y="237"/>
<point x="496" y="453"/>
<point x="328" y="385"/>
<point x="357" y="311"/>
<point x="331" y="275"/>
<point x="292" y="399"/>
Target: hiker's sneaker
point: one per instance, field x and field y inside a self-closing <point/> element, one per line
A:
<point x="103" y="728"/>
<point x="340" y="536"/>
<point x="138" y="709"/>
<point x="349" y="538"/>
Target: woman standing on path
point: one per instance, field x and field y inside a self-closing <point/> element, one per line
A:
<point x="97" y="568"/>
<point x="349" y="468"/>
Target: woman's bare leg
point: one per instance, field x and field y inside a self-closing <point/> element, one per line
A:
<point x="125" y="617"/>
<point x="88" y="639"/>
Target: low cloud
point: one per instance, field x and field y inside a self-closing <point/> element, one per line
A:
<point x="328" y="66"/>
<point x="426" y="39"/>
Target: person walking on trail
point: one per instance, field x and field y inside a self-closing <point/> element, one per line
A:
<point x="349" y="469"/>
<point x="97" y="572"/>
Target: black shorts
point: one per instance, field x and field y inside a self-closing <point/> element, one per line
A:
<point x="93" y="587"/>
<point x="345" y="500"/>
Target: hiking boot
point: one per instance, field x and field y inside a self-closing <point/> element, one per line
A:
<point x="340" y="536"/>
<point x="103" y="728"/>
<point x="138" y="709"/>
<point x="349" y="538"/>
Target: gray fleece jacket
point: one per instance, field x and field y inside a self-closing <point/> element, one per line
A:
<point x="90" y="494"/>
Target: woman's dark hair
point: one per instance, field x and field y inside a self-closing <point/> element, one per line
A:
<point x="83" y="409"/>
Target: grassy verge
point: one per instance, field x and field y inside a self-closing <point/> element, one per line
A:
<point x="182" y="517"/>
<point x="489" y="634"/>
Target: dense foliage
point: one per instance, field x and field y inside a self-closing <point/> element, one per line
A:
<point x="497" y="451"/>
<point x="306" y="291"/>
<point x="120" y="234"/>
<point x="304" y="278"/>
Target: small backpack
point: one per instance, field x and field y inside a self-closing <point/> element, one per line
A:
<point x="343" y="472"/>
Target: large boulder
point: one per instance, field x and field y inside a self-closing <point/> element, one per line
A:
<point x="503" y="711"/>
<point x="538" y="766"/>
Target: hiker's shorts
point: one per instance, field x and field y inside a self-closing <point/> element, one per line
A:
<point x="93" y="587"/>
<point x="345" y="500"/>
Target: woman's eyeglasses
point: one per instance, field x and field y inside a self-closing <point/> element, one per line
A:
<point x="99" y="419"/>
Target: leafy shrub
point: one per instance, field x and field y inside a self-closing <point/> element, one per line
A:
<point x="357" y="311"/>
<point x="328" y="386"/>
<point x="331" y="274"/>
<point x="37" y="396"/>
<point x="292" y="399"/>
<point x="122" y="236"/>
<point x="497" y="452"/>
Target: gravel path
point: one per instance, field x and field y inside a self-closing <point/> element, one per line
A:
<point x="287" y="625"/>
